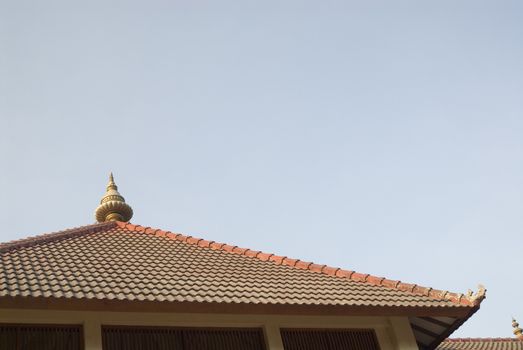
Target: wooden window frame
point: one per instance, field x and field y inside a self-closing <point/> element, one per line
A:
<point x="371" y="331"/>
<point x="261" y="330"/>
<point x="17" y="326"/>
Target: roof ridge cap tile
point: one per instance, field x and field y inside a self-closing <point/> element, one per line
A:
<point x="436" y="294"/>
<point x="55" y="236"/>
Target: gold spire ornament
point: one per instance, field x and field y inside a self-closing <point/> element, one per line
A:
<point x="112" y="206"/>
<point x="518" y="332"/>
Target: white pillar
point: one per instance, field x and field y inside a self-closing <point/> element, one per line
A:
<point x="403" y="335"/>
<point x="92" y="335"/>
<point x="386" y="339"/>
<point x="273" y="337"/>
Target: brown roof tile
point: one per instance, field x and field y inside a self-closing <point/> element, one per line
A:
<point x="481" y="344"/>
<point x="125" y="261"/>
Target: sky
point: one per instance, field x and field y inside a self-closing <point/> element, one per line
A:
<point x="382" y="137"/>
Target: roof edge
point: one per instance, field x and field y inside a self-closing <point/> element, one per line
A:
<point x="458" y="323"/>
<point x="136" y="305"/>
<point x="56" y="236"/>
<point x="467" y="300"/>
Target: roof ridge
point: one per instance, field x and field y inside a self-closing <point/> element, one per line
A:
<point x="471" y="340"/>
<point x="469" y="299"/>
<point x="55" y="236"/>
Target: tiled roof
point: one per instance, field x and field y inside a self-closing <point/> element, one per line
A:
<point x="481" y="344"/>
<point x="127" y="262"/>
<point x="125" y="266"/>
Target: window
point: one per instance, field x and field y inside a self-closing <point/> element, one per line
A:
<point x="40" y="337"/>
<point x="329" y="339"/>
<point x="163" y="338"/>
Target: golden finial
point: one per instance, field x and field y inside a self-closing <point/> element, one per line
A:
<point x="518" y="332"/>
<point x="112" y="206"/>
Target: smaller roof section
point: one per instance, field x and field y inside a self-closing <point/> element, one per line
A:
<point x="481" y="344"/>
<point x="486" y="343"/>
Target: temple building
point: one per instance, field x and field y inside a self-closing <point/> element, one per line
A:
<point x="116" y="285"/>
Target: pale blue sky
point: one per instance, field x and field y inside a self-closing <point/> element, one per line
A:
<point x="384" y="137"/>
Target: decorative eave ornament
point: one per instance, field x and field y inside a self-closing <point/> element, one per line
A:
<point x="476" y="298"/>
<point x="518" y="332"/>
<point x="112" y="206"/>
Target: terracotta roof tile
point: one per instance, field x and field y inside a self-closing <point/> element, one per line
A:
<point x="123" y="261"/>
<point x="481" y="344"/>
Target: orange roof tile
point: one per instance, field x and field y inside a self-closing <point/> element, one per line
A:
<point x="121" y="262"/>
<point x="124" y="253"/>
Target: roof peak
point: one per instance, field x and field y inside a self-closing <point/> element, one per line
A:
<point x="112" y="205"/>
